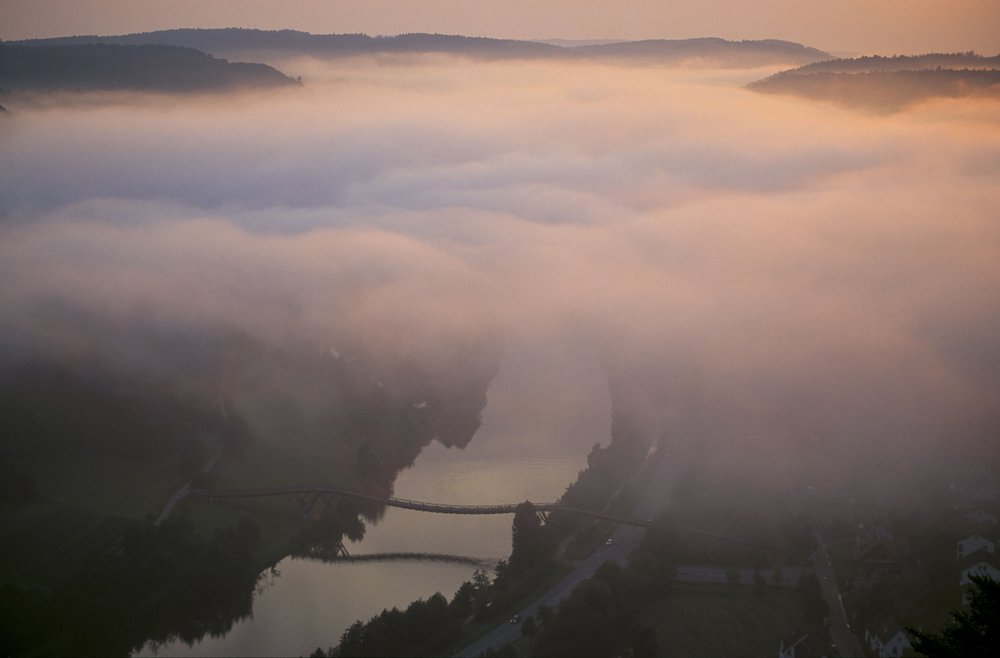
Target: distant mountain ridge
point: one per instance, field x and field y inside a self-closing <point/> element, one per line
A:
<point x="106" y="67"/>
<point x="889" y="83"/>
<point x="238" y="41"/>
<point x="765" y="50"/>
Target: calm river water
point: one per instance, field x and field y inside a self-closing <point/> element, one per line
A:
<point x="544" y="412"/>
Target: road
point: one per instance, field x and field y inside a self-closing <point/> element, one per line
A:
<point x="624" y="539"/>
<point x="185" y="489"/>
<point x="845" y="642"/>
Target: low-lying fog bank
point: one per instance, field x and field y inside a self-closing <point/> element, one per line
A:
<point x="806" y="288"/>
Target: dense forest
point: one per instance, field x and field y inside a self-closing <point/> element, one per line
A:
<point x="104" y="67"/>
<point x="888" y="84"/>
<point x="234" y="41"/>
<point x="874" y="63"/>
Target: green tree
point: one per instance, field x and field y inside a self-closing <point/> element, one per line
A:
<point x="532" y="543"/>
<point x="972" y="633"/>
<point x="529" y="628"/>
<point x="462" y="603"/>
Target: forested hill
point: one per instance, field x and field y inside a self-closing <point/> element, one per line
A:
<point x="235" y="41"/>
<point x="99" y="67"/>
<point x="889" y="84"/>
<point x="878" y="63"/>
<point x="735" y="53"/>
<point x="229" y="41"/>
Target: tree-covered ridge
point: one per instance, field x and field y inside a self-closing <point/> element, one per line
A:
<point x="226" y="40"/>
<point x="105" y="66"/>
<point x="874" y="63"/>
<point x="238" y="40"/>
<point x="889" y="84"/>
<point x="746" y="52"/>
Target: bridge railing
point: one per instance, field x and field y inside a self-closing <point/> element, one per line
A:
<point x="403" y="503"/>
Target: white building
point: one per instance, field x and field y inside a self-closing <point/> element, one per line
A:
<point x="886" y="639"/>
<point x="979" y="568"/>
<point x="974" y="543"/>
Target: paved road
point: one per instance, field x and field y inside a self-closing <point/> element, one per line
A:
<point x="185" y="489"/>
<point x="624" y="539"/>
<point x="846" y="643"/>
<point x="178" y="496"/>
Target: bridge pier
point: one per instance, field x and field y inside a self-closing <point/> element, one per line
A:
<point x="542" y="516"/>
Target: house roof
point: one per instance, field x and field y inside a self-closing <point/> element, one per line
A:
<point x="884" y="627"/>
<point x="803" y="645"/>
<point x="974" y="544"/>
<point x="876" y="544"/>
<point x="972" y="559"/>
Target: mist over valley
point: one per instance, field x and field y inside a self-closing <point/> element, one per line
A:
<point x="777" y="316"/>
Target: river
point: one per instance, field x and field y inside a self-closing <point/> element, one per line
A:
<point x="545" y="410"/>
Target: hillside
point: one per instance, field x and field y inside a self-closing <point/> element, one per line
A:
<point x="728" y="53"/>
<point x="101" y="67"/>
<point x="878" y="63"/>
<point x="231" y="42"/>
<point x="889" y="84"/>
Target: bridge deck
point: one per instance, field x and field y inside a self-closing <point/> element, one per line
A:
<point x="422" y="506"/>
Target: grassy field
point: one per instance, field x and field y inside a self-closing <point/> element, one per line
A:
<point x="81" y="510"/>
<point x="274" y="464"/>
<point x="270" y="464"/>
<point x="703" y="621"/>
<point x="43" y="541"/>
<point x="126" y="488"/>
<point x="26" y="529"/>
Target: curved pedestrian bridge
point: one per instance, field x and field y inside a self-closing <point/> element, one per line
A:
<point x="309" y="496"/>
<point x="343" y="556"/>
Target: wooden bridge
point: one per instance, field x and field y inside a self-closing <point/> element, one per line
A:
<point x="307" y="497"/>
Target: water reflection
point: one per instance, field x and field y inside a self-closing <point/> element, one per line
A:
<point x="544" y="412"/>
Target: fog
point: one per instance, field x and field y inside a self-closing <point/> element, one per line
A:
<point x="808" y="287"/>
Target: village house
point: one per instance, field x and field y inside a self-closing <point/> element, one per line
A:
<point x="974" y="544"/>
<point x="885" y="638"/>
<point x="876" y="549"/>
<point x="801" y="645"/>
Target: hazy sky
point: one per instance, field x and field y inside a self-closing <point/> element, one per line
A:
<point x="882" y="26"/>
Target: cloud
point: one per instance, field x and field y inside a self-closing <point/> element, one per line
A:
<point x="776" y="268"/>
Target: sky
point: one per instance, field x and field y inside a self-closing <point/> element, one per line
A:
<point x="803" y="284"/>
<point x="838" y="26"/>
